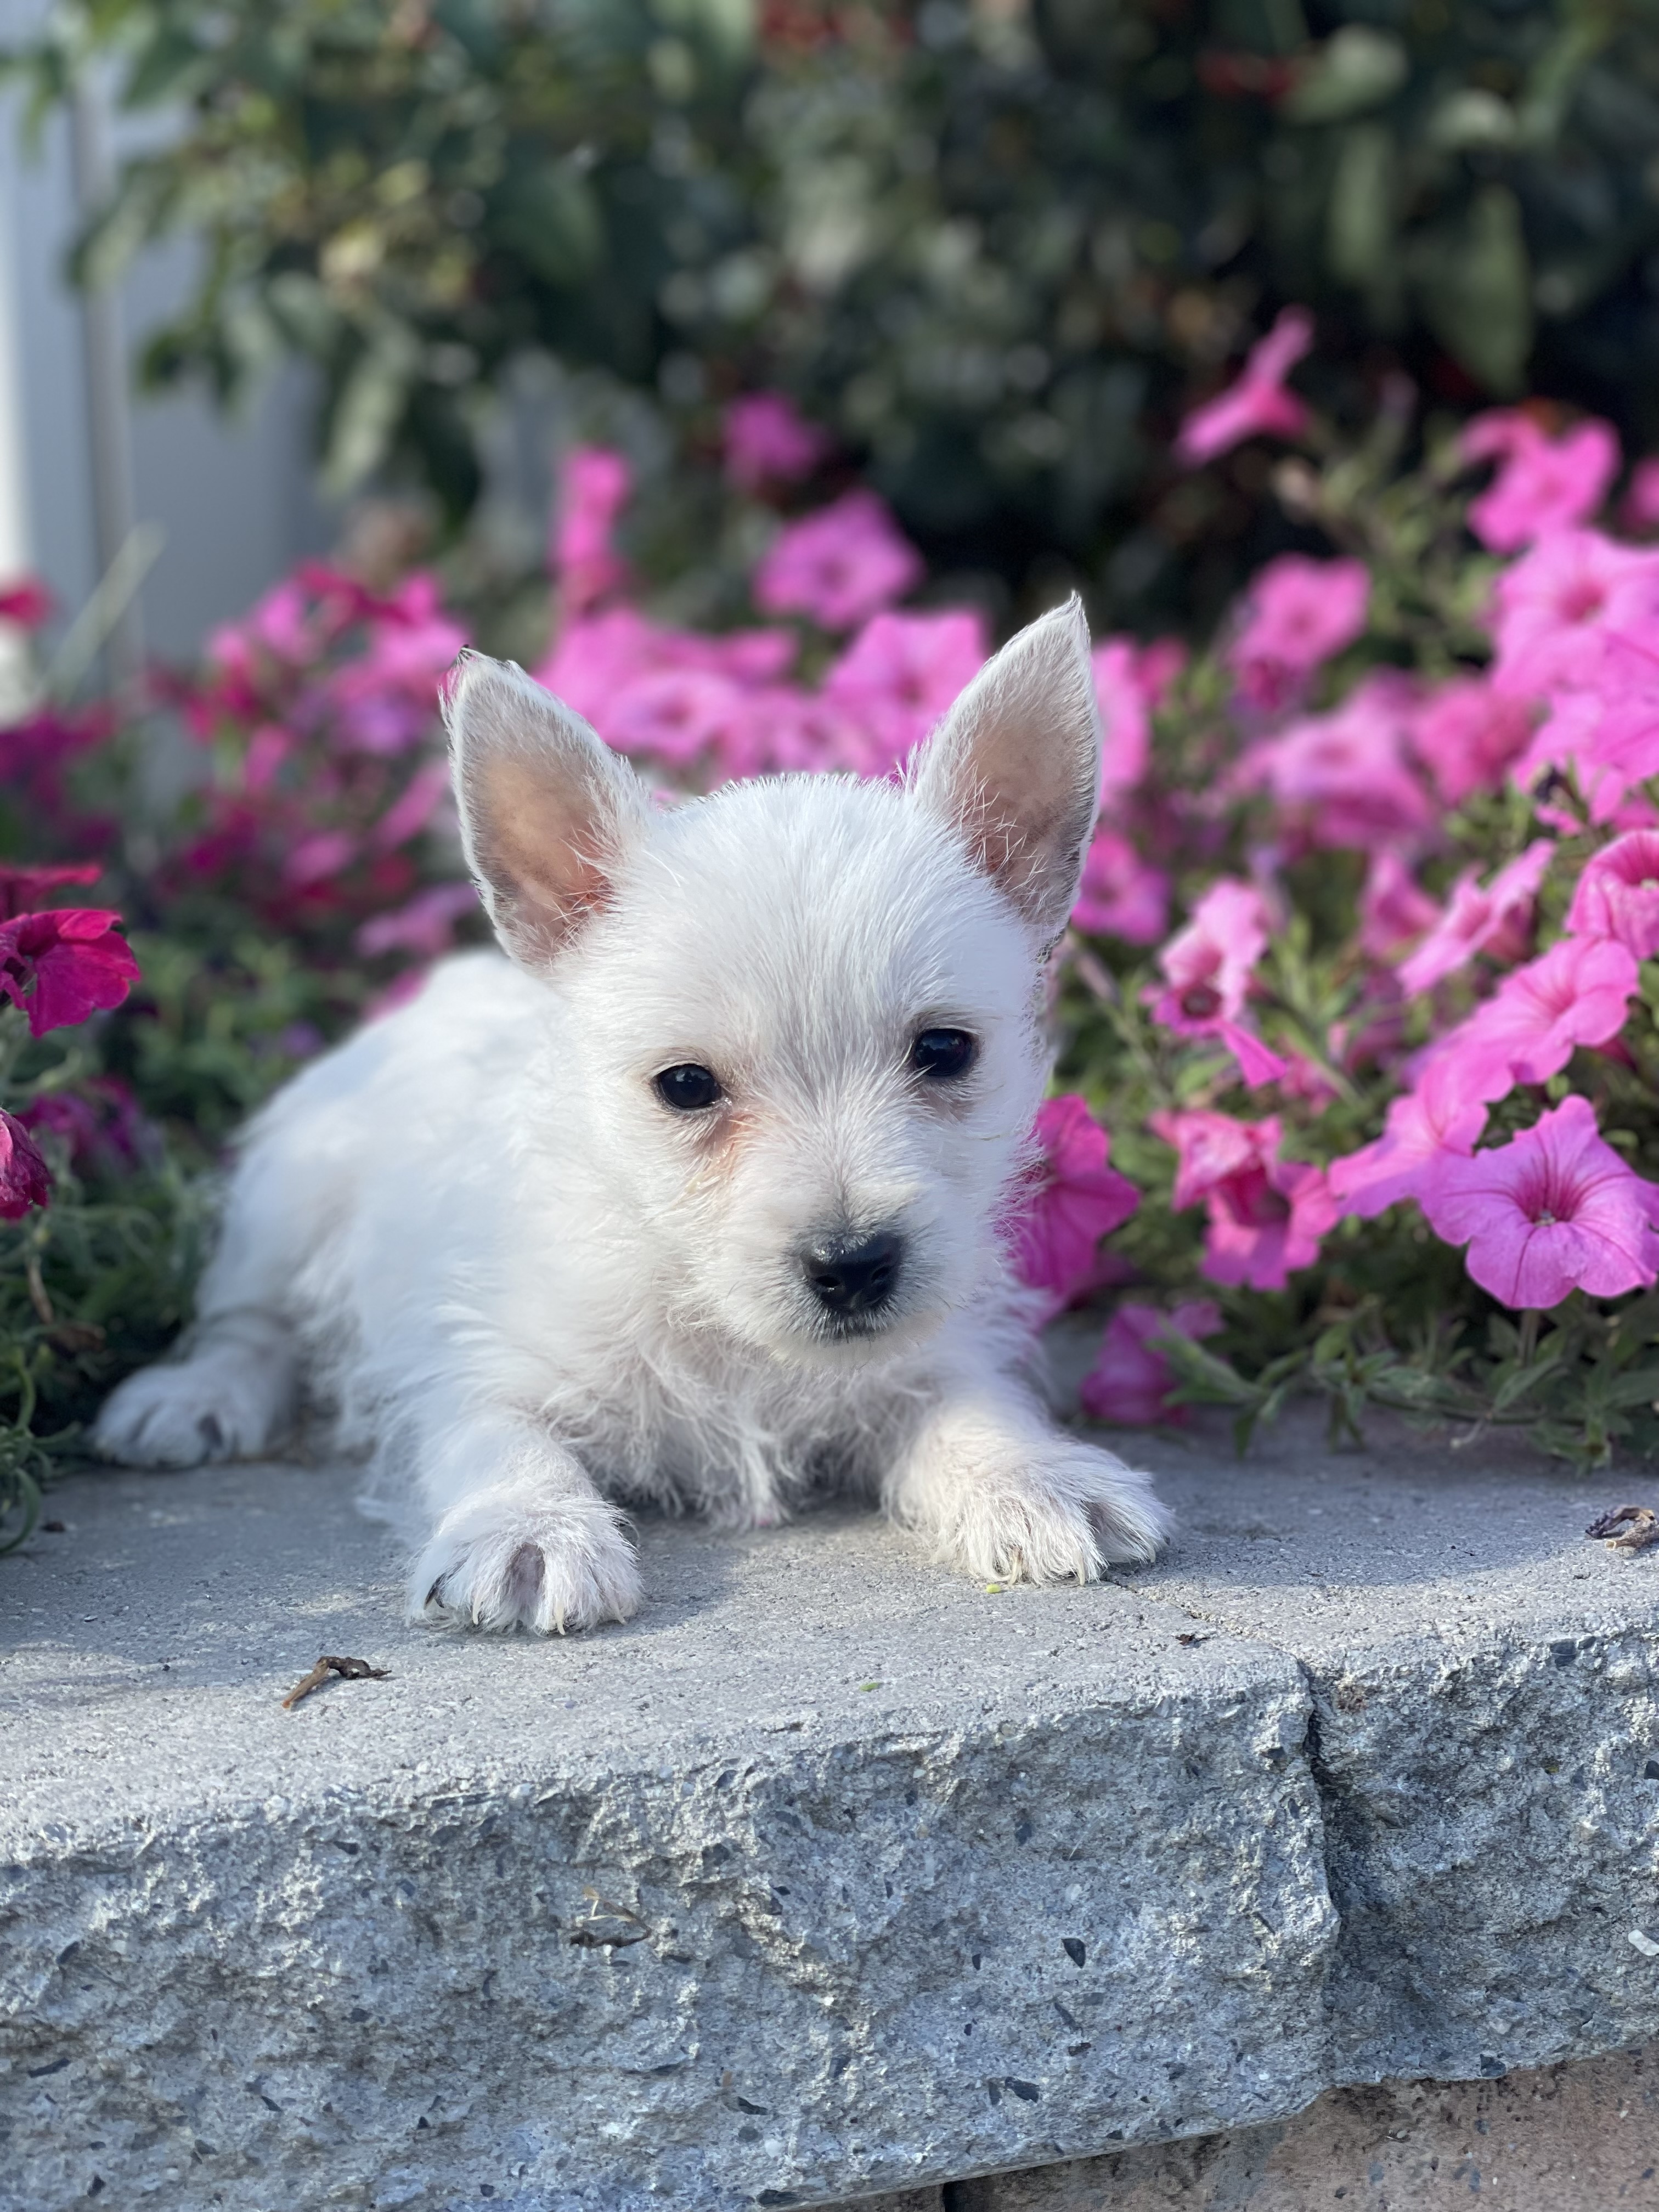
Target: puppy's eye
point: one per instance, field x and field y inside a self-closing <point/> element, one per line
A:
<point x="688" y="1089"/>
<point x="942" y="1054"/>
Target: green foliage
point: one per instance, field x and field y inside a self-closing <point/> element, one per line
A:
<point x="998" y="247"/>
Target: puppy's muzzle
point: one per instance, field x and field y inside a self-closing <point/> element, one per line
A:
<point x="854" y="1279"/>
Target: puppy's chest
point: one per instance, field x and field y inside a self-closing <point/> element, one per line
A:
<point x="727" y="1435"/>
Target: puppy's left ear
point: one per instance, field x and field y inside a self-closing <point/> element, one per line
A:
<point x="1015" y="767"/>
<point x="547" y="809"/>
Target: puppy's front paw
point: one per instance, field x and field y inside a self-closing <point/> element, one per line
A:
<point x="507" y="1559"/>
<point x="1061" y="1512"/>
<point x="221" y="1405"/>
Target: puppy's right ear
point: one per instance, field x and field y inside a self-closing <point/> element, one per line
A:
<point x="547" y="809"/>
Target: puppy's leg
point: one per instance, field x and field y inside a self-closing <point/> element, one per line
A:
<point x="526" y="1540"/>
<point x="999" y="1492"/>
<point x="232" y="1397"/>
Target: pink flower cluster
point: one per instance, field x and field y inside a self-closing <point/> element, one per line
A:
<point x="58" y="966"/>
<point x="331" y="790"/>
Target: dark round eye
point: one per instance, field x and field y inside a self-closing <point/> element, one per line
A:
<point x="688" y="1089"/>
<point x="943" y="1054"/>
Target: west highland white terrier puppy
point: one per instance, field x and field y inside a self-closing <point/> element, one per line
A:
<point x="696" y="1198"/>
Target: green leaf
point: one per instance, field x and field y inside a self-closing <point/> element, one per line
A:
<point x="1474" y="278"/>
<point x="1355" y="69"/>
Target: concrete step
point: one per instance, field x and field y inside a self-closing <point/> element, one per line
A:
<point x="832" y="1874"/>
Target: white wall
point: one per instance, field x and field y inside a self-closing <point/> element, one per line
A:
<point x="233" y="499"/>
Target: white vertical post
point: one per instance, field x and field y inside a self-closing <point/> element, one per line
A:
<point x="17" y="543"/>
<point x="109" y="425"/>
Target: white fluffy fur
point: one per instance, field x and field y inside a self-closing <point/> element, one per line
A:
<point x="533" y="1294"/>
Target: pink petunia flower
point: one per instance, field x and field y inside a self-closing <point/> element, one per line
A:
<point x="26" y="603"/>
<point x="1617" y="894"/>
<point x="25" y="1178"/>
<point x="1122" y="895"/>
<point x="1553" y="1211"/>
<point x="1267" y="1215"/>
<point x="1576" y="993"/>
<point x="594" y="485"/>
<point x="1257" y="405"/>
<point x="768" y="441"/>
<point x="1469" y="737"/>
<point x="22" y="889"/>
<point x="1476" y="919"/>
<point x="1442" y="1115"/>
<point x="839" y="565"/>
<point x="1207" y="966"/>
<point x="1297" y="613"/>
<point x="1543" y="484"/>
<point x="1555" y="609"/>
<point x="1130" y="1381"/>
<point x="1072" y="1199"/>
<point x="425" y="927"/>
<point x="64" y="964"/>
<point x="898" y="677"/>
<point x="1393" y="908"/>
<point x="1129" y="680"/>
<point x="673" y="714"/>
<point x="1345" y="779"/>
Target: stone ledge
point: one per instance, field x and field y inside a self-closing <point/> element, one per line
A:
<point x="830" y="1876"/>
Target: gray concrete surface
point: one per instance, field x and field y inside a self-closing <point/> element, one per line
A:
<point x="830" y="1875"/>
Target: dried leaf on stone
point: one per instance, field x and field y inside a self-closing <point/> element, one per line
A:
<point x="350" y="1670"/>
<point x="1638" y="1523"/>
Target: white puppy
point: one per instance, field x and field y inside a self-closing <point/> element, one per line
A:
<point x="696" y="1198"/>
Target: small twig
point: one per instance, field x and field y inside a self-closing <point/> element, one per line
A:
<point x="1640" y="1525"/>
<point x="351" y="1670"/>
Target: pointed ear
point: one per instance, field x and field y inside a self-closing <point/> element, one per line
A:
<point x="546" y="808"/>
<point x="1015" y="767"/>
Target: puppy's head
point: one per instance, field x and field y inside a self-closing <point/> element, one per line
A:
<point x="800" y="1046"/>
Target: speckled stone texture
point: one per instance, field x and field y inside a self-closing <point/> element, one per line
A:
<point x="831" y="1874"/>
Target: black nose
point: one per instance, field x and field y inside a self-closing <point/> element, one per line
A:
<point x="854" y="1275"/>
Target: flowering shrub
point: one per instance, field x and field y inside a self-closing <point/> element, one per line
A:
<point x="1361" y="980"/>
<point x="1356" y="977"/>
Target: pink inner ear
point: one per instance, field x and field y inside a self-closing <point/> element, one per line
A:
<point x="538" y="843"/>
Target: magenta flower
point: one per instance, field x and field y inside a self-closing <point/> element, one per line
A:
<point x="1543" y="484"/>
<point x="425" y="927"/>
<point x="898" y="677"/>
<point x="1207" y="966"/>
<point x="594" y="485"/>
<point x="25" y="1178"/>
<point x="1297" y="612"/>
<point x="1393" y="908"/>
<point x="673" y="714"/>
<point x="1122" y="895"/>
<point x="1442" y="1114"/>
<point x="1070" y="1200"/>
<point x="1130" y="1381"/>
<point x="64" y="964"/>
<point x="1577" y="993"/>
<point x="1469" y="737"/>
<point x="1267" y="1215"/>
<point x="22" y="889"/>
<point x="769" y="441"/>
<point x="1557" y="606"/>
<point x="1554" y="1210"/>
<point x="1345" y="779"/>
<point x="839" y="565"/>
<point x="26" y="602"/>
<point x="1475" y="919"/>
<point x="1257" y="405"/>
<point x="1126" y="702"/>
<point x="1618" y="894"/>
